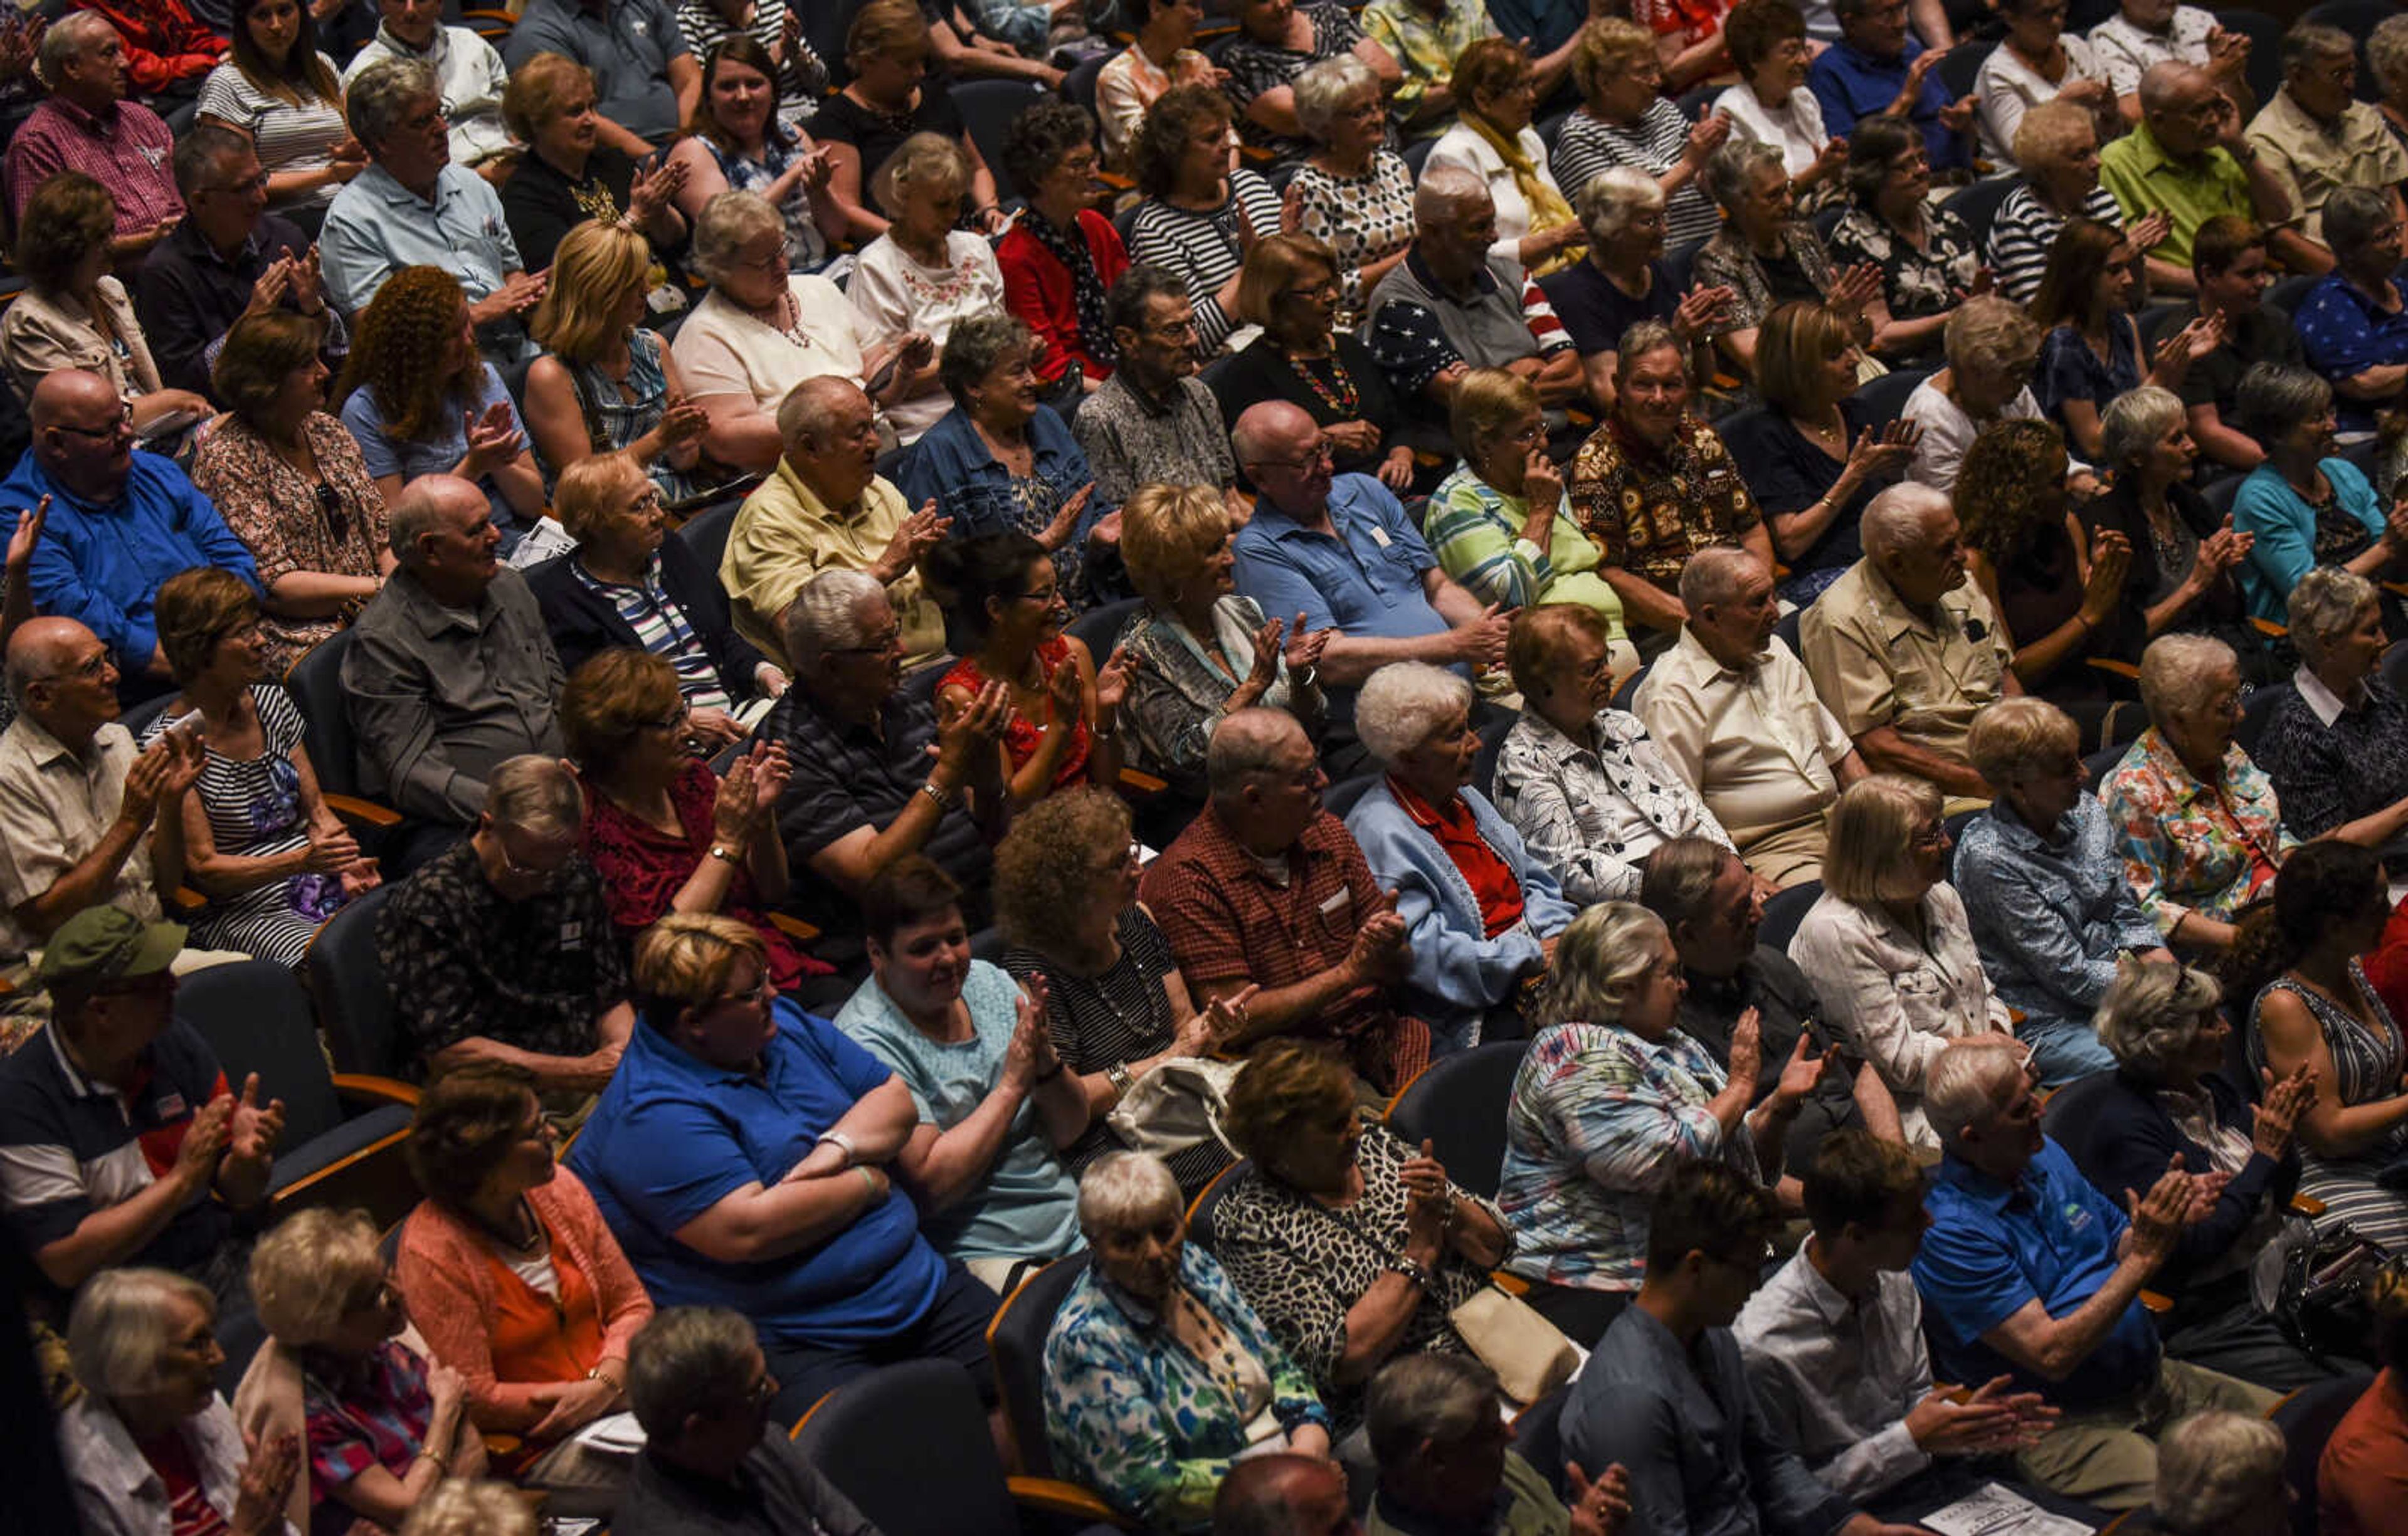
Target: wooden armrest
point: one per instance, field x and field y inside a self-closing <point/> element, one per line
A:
<point x="793" y="928"/>
<point x="387" y="1090"/>
<point x="1142" y="782"/>
<point x="2114" y="668"/>
<point x="1056" y="1497"/>
<point x="1116" y="181"/>
<point x="2308" y="1205"/>
<point x="2397" y="589"/>
<point x="2159" y="1306"/>
<point x="2268" y="628"/>
<point x="1512" y="1284"/>
<point x="2016" y="1015"/>
<point x="184" y="902"/>
<point x="351" y="808"/>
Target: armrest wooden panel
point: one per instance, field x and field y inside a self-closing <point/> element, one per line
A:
<point x="384" y="1090"/>
<point x="184" y="902"/>
<point x="2268" y="628"/>
<point x="2114" y="668"/>
<point x="351" y="808"/>
<point x="2159" y="1306"/>
<point x="793" y="928"/>
<point x="1142" y="782"/>
<point x="1055" y="1497"/>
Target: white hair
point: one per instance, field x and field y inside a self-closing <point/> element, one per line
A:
<point x="827" y="614"/>
<point x="119" y="1327"/>
<point x="1894" y="522"/>
<point x="1444" y="188"/>
<point x="1122" y="1191"/>
<point x="1402" y="705"/>
<point x="1967" y="1083"/>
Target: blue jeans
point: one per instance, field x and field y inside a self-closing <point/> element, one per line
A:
<point x="2064" y="1049"/>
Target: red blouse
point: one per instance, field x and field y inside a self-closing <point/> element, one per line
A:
<point x="1036" y="290"/>
<point x="1492" y="880"/>
<point x="1021" y="738"/>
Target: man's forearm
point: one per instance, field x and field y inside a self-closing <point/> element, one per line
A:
<point x="2070" y="1340"/>
<point x="573" y="1073"/>
<point x="1348" y="661"/>
<point x="1886" y="751"/>
<point x="114" y="1235"/>
<point x="1276" y="1011"/>
<point x="85" y="883"/>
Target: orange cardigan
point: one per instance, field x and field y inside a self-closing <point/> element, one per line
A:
<point x="447" y="1287"/>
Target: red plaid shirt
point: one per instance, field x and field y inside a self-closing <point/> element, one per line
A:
<point x="127" y="154"/>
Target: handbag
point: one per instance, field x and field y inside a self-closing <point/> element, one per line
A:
<point x="1175" y="1106"/>
<point x="2322" y="1298"/>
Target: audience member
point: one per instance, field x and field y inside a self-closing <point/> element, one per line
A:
<point x="1153" y="421"/>
<point x="1161" y="56"/>
<point x="2222" y="1473"/>
<point x="567" y="175"/>
<point x="606" y="383"/>
<point x="739" y="141"/>
<point x="1158" y="1376"/>
<point x="1992" y="347"/>
<point x="87" y="126"/>
<point x="1447" y="1463"/>
<point x="2180" y="573"/>
<point x="801" y="74"/>
<point x="2358" y="1477"/>
<point x="1353" y="193"/>
<point x="469" y="73"/>
<point x="1876" y="70"/>
<point x="649" y="81"/>
<point x="1309" y="358"/>
<point x="2305" y="507"/>
<point x="279" y="90"/>
<point x="1624" y="281"/>
<point x="1277" y="42"/>
<point x="1496" y="93"/>
<point x="259" y="840"/>
<point x="2386" y="53"/>
<point x="886" y="49"/>
<point x="1200" y="212"/>
<point x="2145" y="32"/>
<point x="2037" y="61"/>
<point x="510" y="1275"/>
<point x="2335" y="742"/>
<point x="1061" y="259"/>
<point x="2350" y="323"/>
<point x="924" y="274"/>
<point x="1730" y="710"/>
<point x="1771" y="103"/>
<point x="2227" y="257"/>
<point x="2317" y="136"/>
<point x="2055" y="588"/>
<point x="1928" y="257"/>
<point x="1317" y="948"/>
<point x="486" y="1507"/>
<point x="2187" y="158"/>
<point x="689" y="1156"/>
<point x="1626" y="119"/>
<point x="2057" y="149"/>
<point x="169" y="45"/>
<point x="73" y="315"/>
<point x="2091" y="350"/>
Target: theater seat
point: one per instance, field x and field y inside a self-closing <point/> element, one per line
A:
<point x="354" y="1003"/>
<point x="1458" y="1103"/>
<point x="1015" y="1344"/>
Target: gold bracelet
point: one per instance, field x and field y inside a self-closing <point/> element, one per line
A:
<point x="442" y="1466"/>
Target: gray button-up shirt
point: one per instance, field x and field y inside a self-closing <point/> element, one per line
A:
<point x="1131" y="440"/>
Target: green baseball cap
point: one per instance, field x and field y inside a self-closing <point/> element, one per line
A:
<point x="105" y="943"/>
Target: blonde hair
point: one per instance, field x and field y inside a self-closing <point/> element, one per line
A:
<point x="1168" y="532"/>
<point x="1600" y="956"/>
<point x="685" y="960"/>
<point x="595" y="264"/>
<point x="1484" y="401"/>
<point x="923" y="159"/>
<point x="2014" y="739"/>
<point x="587" y="488"/>
<point x="532" y="99"/>
<point x="1276" y="262"/>
<point x="1871" y="849"/>
<point x="308" y="1272"/>
<point x="461" y="1508"/>
<point x="1606" y="48"/>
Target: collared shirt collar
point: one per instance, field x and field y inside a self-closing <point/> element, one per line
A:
<point x="2326" y="705"/>
<point x="2149" y="156"/>
<point x="1153" y="405"/>
<point x="1979" y="1188"/>
<point x="1705" y="663"/>
<point x="1482" y="280"/>
<point x="98" y="124"/>
<point x="1897" y="617"/>
<point x="78" y="1084"/>
<point x="436" y="45"/>
<point x="1816" y="1292"/>
<point x="45" y="749"/>
<point x="435" y="618"/>
<point x="383" y="183"/>
<point x="2014" y="830"/>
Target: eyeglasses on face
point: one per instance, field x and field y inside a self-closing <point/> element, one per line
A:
<point x="881" y="644"/>
<point x="121" y="426"/>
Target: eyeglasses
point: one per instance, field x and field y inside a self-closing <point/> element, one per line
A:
<point x="670" y="723"/>
<point x="762" y="1393"/>
<point x="239" y="189"/>
<point x="122" y="425"/>
<point x="762" y="991"/>
<point x="1322" y="453"/>
<point x="880" y="644"/>
<point x="331" y="507"/>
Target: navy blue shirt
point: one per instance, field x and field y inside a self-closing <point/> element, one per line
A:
<point x="2051" y="1238"/>
<point x="1852" y="85"/>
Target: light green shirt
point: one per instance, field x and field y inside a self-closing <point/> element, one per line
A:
<point x="2142" y="177"/>
<point x="1525" y="1506"/>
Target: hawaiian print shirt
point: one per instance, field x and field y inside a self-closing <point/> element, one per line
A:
<point x="1648" y="509"/>
<point x="2190" y="847"/>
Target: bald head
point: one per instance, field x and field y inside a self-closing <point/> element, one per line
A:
<point x="426" y="507"/>
<point x="2169" y="81"/>
<point x="2185" y="111"/>
<point x="1269" y="429"/>
<point x="1443" y="189"/>
<point x="44" y="650"/>
<point x="1716" y="576"/>
<point x="1282" y="1494"/>
<point x="1249" y="742"/>
<point x="70" y="396"/>
<point x="814" y="405"/>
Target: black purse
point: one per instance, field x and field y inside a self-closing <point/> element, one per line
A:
<point x="2322" y="1304"/>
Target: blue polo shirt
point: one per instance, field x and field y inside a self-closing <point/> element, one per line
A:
<point x="1851" y="85"/>
<point x="1366" y="581"/>
<point x="1992" y="1249"/>
<point x="673" y="1135"/>
<point x="376" y="226"/>
<point x="2344" y="332"/>
<point x="627" y="44"/>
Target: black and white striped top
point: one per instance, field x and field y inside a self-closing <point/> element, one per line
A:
<point x="1204" y="248"/>
<point x="288" y="137"/>
<point x="802" y="80"/>
<point x="1585" y="146"/>
<point x="2024" y="228"/>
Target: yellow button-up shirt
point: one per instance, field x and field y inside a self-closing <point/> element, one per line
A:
<point x="784" y="534"/>
<point x="1877" y="662"/>
<point x="2357" y="151"/>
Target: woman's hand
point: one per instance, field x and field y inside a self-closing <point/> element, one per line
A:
<point x="347" y="158"/>
<point x="1700" y="311"/>
<point x="772" y="770"/>
<point x="1430" y="1210"/>
<point x="1706" y="138"/>
<point x="360" y="878"/>
<point x="492" y="442"/>
<point x="1264" y="671"/>
<point x="1310" y="1439"/>
<point x="1542" y="486"/>
<point x="1747" y="1047"/>
<point x="2148" y="234"/>
<point x="1598" y="1508"/>
<point x="1066" y="694"/>
<point x="1024" y="1057"/>
<point x="732" y="807"/>
<point x="1395" y="469"/>
<point x="1112" y="681"/>
<point x="1856" y="288"/>
<point x="1305" y="647"/>
<point x="266" y="1484"/>
<point x="2189" y="345"/>
<point x="713" y="728"/>
<point x="1292" y="208"/>
<point x="28" y="534"/>
<point x="651" y="190"/>
<point x="2279" y="1110"/>
<point x="1882" y="451"/>
<point x="574" y="1405"/>
<point x="2111" y="561"/>
<point x="2219" y="552"/>
<point x="1357" y="438"/>
<point x="450" y="1393"/>
<point x="331" y="850"/>
<point x="1064" y="521"/>
<point x="1220" y="1022"/>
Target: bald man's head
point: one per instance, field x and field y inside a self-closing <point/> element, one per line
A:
<point x="1284" y="1495"/>
<point x="46" y="658"/>
<point x="1268" y="428"/>
<point x="67" y="394"/>
<point x="84" y="434"/>
<point x="1286" y="453"/>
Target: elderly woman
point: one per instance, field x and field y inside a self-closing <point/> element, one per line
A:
<point x="2182" y="555"/>
<point x="1767" y="257"/>
<point x="290" y="483"/>
<point x="1202" y="651"/>
<point x="1004" y="611"/>
<point x="1480" y="911"/>
<point x="762" y="330"/>
<point x="2313" y="1012"/>
<point x="1497" y="524"/>
<point x="1624" y="281"/>
<point x="605" y="383"/>
<point x="280" y="91"/>
<point x="2359" y="1478"/>
<point x="1199" y="215"/>
<point x="2037" y="61"/>
<point x="515" y="1283"/>
<point x="2200" y="826"/>
<point x="1771" y="104"/>
<point x="885" y="102"/>
<point x="2058" y="591"/>
<point x="2345" y="322"/>
<point x="1393" y="1247"/>
<point x="420" y="400"/>
<point x="1060" y="256"/>
<point x="1277" y="41"/>
<point x="667" y="833"/>
<point x="1654" y="485"/>
<point x="1159" y="1375"/>
<point x="1003" y="460"/>
<point x="260" y="841"/>
<point x="150" y="1438"/>
<point x="1626" y="119"/>
<point x="1159" y="57"/>
<point x="2170" y="1094"/>
<point x="1115" y="1004"/>
<point x="1814" y="457"/>
<point x="74" y="314"/>
<point x="738" y="141"/>
<point x="2058" y="146"/>
<point x="1492" y="138"/>
<point x="2335" y="742"/>
<point x="1611" y="1096"/>
<point x="1353" y="193"/>
<point x="1590" y="794"/>
<point x="2041" y="880"/>
<point x="384" y="1427"/>
<point x="1889" y="947"/>
<point x="475" y="1509"/>
<point x="1928" y="258"/>
<point x="740" y="1154"/>
<point x="2090" y="348"/>
<point x="567" y="175"/>
<point x="2306" y="507"/>
<point x="1992" y="347"/>
<point x="924" y="274"/>
<point x="1289" y="287"/>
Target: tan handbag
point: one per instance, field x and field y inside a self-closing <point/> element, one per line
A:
<point x="1530" y="1355"/>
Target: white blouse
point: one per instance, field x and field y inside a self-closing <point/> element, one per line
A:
<point x="1795" y="127"/>
<point x="1464" y="148"/>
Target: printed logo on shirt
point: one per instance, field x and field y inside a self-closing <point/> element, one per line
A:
<point x="572" y="935"/>
<point x="2076" y="1218"/>
<point x="169" y="1105"/>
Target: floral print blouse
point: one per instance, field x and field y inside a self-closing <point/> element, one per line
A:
<point x="1914" y="283"/>
<point x="1727" y="261"/>
<point x="1594" y="817"/>
<point x="1360" y="218"/>
<point x="2190" y="847"/>
<point x="1134" y="1415"/>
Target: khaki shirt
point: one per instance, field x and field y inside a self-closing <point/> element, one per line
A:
<point x="2358" y="151"/>
<point x="784" y="534"/>
<point x="1876" y="663"/>
<point x="1759" y="745"/>
<point x="55" y="808"/>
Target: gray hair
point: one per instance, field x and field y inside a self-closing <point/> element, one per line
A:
<point x="1432" y="1398"/>
<point x="1600" y="956"/>
<point x="1966" y="1083"/>
<point x="2134" y="420"/>
<point x="64" y="41"/>
<point x="1608" y="200"/>
<point x="1642" y="337"/>
<point x="119" y="1327"/>
<point x="725" y="223"/>
<point x="1244" y="744"/>
<point x="2309" y="41"/>
<point x="1734" y="165"/>
<point x="1677" y="881"/>
<point x="1869" y="850"/>
<point x="1712" y="576"/>
<point x="2212" y="1467"/>
<point x="687" y="1361"/>
<point x="1122" y="1191"/>
<point x="417" y="512"/>
<point x="2014" y="739"/>
<point x="925" y="157"/>
<point x="2162" y="81"/>
<point x="2386" y="52"/>
<point x="537" y="795"/>
<point x="807" y="407"/>
<point x="1321" y="92"/>
<point x="2325" y="603"/>
<point x="2151" y="1012"/>
<point x="200" y="149"/>
<point x="1444" y="188"/>
<point x="374" y="100"/>
<point x="975" y="346"/>
<point x="2174" y="670"/>
<point x="2354" y="215"/>
<point x="2274" y="396"/>
<point x="1402" y="705"/>
<point x="1895" y="521"/>
<point x="826" y="615"/>
<point x="1137" y="289"/>
<point x="458" y="1507"/>
<point x="1987" y="332"/>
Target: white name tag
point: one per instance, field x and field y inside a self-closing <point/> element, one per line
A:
<point x="1335" y="904"/>
<point x="1378" y="536"/>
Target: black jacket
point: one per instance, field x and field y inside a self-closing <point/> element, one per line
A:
<point x="583" y="621"/>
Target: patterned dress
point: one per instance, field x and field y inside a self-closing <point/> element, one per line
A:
<point x="1915" y="284"/>
<point x="254" y="812"/>
<point x="2188" y="847"/>
<point x="1255" y="67"/>
<point x="1588" y="146"/>
<point x="1360" y="218"/>
<point x="1594" y="815"/>
<point x="613" y="419"/>
<point x="2367" y="1065"/>
<point x="1022" y="735"/>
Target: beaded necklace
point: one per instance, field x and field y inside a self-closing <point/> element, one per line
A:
<point x="1339" y="394"/>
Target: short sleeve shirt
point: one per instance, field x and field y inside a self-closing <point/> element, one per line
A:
<point x="627" y="44"/>
<point x="1367" y="579"/>
<point x="1648" y="508"/>
<point x="379" y="1420"/>
<point x="1875" y="663"/>
<point x="2144" y="179"/>
<point x="55" y="807"/>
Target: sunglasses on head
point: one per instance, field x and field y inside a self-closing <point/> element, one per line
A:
<point x="331" y="505"/>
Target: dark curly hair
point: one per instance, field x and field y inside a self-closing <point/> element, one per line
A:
<point x="1044" y="867"/>
<point x="966" y="571"/>
<point x="70" y="217"/>
<point x="2320" y="884"/>
<point x="260" y="354"/>
<point x="1162" y="137"/>
<point x="1041" y="138"/>
<point x="397" y="350"/>
<point x="2005" y="489"/>
<point x="1755" y="28"/>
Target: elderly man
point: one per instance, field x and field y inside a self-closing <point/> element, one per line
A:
<point x="2029" y="1272"/>
<point x="2352" y="325"/>
<point x="1877" y="70"/>
<point x="120" y="1141"/>
<point x="500" y="950"/>
<point x="2316" y="134"/>
<point x="1903" y="652"/>
<point x="2189" y="160"/>
<point x="1283" y="1494"/>
<point x="875" y="777"/>
<point x="450" y="670"/>
<point x="469" y="73"/>
<point x="1733" y="709"/>
<point x="88" y="125"/>
<point x="1267" y="888"/>
<point x="1449" y="307"/>
<point x="120" y="522"/>
<point x="1447" y="1465"/>
<point x="1153" y="420"/>
<point x="412" y="207"/>
<point x="695" y="1381"/>
<point x="229" y="255"/>
<point x="828" y="508"/>
<point x="646" y="80"/>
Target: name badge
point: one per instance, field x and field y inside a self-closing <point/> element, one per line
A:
<point x="1337" y="903"/>
<point x="572" y="935"/>
<point x="1378" y="536"/>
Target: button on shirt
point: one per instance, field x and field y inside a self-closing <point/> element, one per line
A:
<point x="627" y="44"/>
<point x="1366" y="577"/>
<point x="1876" y="662"/>
<point x="55" y="807"/>
<point x="2356" y="152"/>
<point x="377" y="226"/>
<point x="1835" y="1377"/>
<point x="2049" y="1238"/>
<point x="1759" y="745"/>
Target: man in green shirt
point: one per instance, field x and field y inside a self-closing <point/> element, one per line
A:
<point x="1447" y="1465"/>
<point x="2188" y="157"/>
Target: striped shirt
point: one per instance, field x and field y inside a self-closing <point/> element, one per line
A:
<point x="662" y="629"/>
<point x="1205" y="249"/>
<point x="2023" y="230"/>
<point x="1586" y="146"/>
<point x="802" y="78"/>
<point x="288" y="137"/>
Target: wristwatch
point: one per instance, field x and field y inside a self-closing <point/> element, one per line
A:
<point x="721" y="850"/>
<point x="842" y="1143"/>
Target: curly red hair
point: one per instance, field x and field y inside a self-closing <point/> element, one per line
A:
<point x="398" y="350"/>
